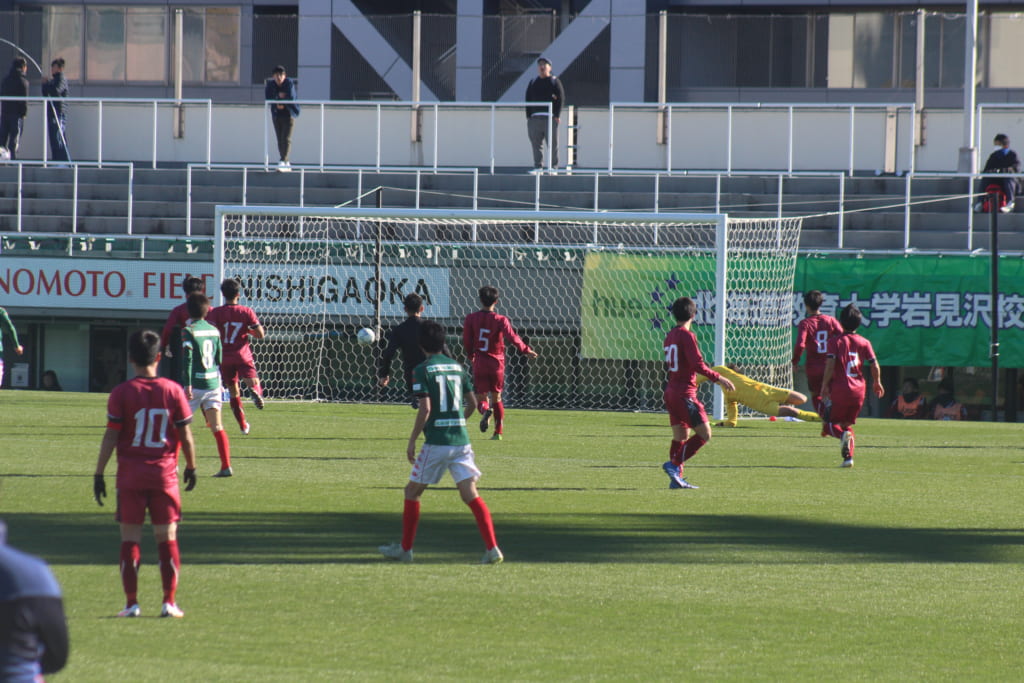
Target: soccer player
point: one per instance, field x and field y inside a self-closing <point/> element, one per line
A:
<point x="147" y="421"/>
<point x="483" y="337"/>
<point x="179" y="318"/>
<point x="202" y="353"/>
<point x="236" y="324"/>
<point x="405" y="337"/>
<point x="764" y="398"/>
<point x="683" y="361"/>
<point x="441" y="383"/>
<point x="7" y="329"/>
<point x="844" y="386"/>
<point x="813" y="334"/>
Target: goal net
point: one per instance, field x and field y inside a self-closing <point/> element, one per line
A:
<point x="590" y="292"/>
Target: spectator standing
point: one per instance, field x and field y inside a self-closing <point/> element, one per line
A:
<point x="281" y="88"/>
<point x="7" y="330"/>
<point x="544" y="89"/>
<point x="13" y="112"/>
<point x="33" y="629"/>
<point x="56" y="111"/>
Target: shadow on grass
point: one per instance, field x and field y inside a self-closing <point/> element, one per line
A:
<point x="352" y="537"/>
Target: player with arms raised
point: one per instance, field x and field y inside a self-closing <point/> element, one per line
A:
<point x="147" y="421"/>
<point x="812" y="335"/>
<point x="441" y="383"/>
<point x="764" y="398"/>
<point x="844" y="386"/>
<point x="202" y="353"/>
<point x="683" y="361"/>
<point x="483" y="337"/>
<point x="236" y="324"/>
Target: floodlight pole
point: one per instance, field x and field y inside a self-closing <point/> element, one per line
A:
<point x="993" y="223"/>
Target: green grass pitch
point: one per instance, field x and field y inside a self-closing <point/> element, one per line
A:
<point x="781" y="567"/>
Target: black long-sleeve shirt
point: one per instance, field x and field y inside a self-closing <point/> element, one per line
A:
<point x="14" y="85"/>
<point x="56" y="87"/>
<point x="404" y="336"/>
<point x="1002" y="161"/>
<point x="545" y="90"/>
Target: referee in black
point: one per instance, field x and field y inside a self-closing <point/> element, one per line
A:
<point x="406" y="337"/>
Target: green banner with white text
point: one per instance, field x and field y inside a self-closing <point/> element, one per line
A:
<point x="918" y="310"/>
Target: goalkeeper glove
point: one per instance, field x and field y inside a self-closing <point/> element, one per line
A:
<point x="190" y="478"/>
<point x="99" y="488"/>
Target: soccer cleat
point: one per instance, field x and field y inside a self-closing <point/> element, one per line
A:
<point x="171" y="610"/>
<point x="245" y="428"/>
<point x="226" y="472"/>
<point x="257" y="401"/>
<point x="493" y="556"/>
<point x="675" y="475"/>
<point x="394" y="551"/>
<point x="485" y="421"/>
<point x="497" y="437"/>
<point x="847" y="462"/>
<point x="130" y="611"/>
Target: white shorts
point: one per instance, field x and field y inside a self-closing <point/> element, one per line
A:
<point x="433" y="460"/>
<point x="206" y="400"/>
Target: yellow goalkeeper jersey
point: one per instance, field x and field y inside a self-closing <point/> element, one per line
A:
<point x="764" y="398"/>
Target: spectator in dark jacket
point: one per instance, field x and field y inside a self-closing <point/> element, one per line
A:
<point x="545" y="89"/>
<point x="1004" y="160"/>
<point x="280" y="87"/>
<point x="13" y="112"/>
<point x="56" y="111"/>
<point x="33" y="629"/>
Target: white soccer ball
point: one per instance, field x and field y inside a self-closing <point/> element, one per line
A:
<point x="366" y="336"/>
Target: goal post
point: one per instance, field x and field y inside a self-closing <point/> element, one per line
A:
<point x="590" y="291"/>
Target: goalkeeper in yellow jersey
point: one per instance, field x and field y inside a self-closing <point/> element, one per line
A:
<point x="764" y="398"/>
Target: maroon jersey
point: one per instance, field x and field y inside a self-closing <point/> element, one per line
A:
<point x="146" y="411"/>
<point x="234" y="321"/>
<point x="177" y="318"/>
<point x="852" y="353"/>
<point x="813" y="334"/>
<point x="683" y="362"/>
<point x="483" y="336"/>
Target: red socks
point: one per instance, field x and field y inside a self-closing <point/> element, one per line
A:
<point x="483" y="406"/>
<point x="483" y="521"/>
<point x="223" y="448"/>
<point x="236" y="409"/>
<point x="831" y="429"/>
<point x="170" y="561"/>
<point x="499" y="418"/>
<point x="130" y="558"/>
<point x="675" y="452"/>
<point x="410" y="520"/>
<point x="692" y="445"/>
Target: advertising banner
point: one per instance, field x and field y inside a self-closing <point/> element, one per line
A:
<point x="139" y="285"/>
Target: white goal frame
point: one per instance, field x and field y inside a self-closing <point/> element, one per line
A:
<point x="721" y="224"/>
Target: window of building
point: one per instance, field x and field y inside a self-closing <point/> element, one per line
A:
<point x="104" y="44"/>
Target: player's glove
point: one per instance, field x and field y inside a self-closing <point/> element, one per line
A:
<point x="190" y="478"/>
<point x="99" y="488"/>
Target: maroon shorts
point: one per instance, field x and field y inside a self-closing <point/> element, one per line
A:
<point x="688" y="412"/>
<point x="164" y="505"/>
<point x="488" y="376"/>
<point x="845" y="409"/>
<point x="233" y="370"/>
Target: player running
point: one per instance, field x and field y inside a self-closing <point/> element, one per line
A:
<point x="147" y="420"/>
<point x="813" y="334"/>
<point x="201" y="353"/>
<point x="844" y="387"/>
<point x="236" y="324"/>
<point x="683" y="361"/>
<point x="441" y="383"/>
<point x="483" y="337"/>
<point x="764" y="398"/>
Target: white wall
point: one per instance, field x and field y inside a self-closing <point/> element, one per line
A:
<point x="352" y="133"/>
